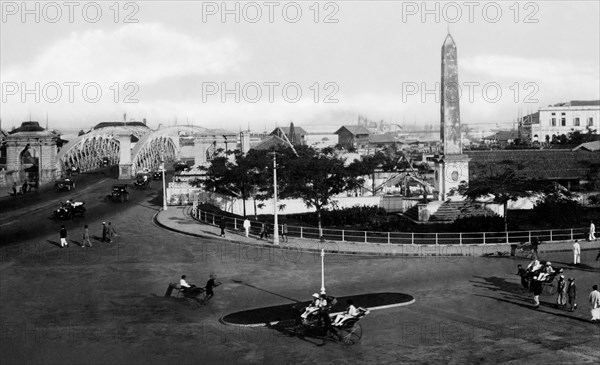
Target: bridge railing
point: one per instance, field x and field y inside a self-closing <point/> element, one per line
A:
<point x="399" y="238"/>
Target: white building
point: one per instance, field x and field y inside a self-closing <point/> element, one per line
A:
<point x="564" y="118"/>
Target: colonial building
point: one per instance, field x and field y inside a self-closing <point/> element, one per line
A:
<point x="555" y="120"/>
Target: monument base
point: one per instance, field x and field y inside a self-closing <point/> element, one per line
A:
<point x="125" y="171"/>
<point x="450" y="171"/>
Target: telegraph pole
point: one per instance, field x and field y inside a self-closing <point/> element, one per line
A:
<point x="275" y="220"/>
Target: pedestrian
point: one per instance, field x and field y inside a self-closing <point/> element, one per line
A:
<point x="112" y="233"/>
<point x="63" y="237"/>
<point x="523" y="274"/>
<point x="536" y="289"/>
<point x="592" y="235"/>
<point x="284" y="232"/>
<point x="572" y="294"/>
<point x="263" y="230"/>
<point x="535" y="242"/>
<point x="15" y="188"/>
<point x="561" y="290"/>
<point x="576" y="253"/>
<point x="267" y="229"/>
<point x="247" y="226"/>
<point x="104" y="232"/>
<point x="86" y="237"/>
<point x="210" y="284"/>
<point x="222" y="225"/>
<point x="595" y="303"/>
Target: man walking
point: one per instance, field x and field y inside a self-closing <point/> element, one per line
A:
<point x="263" y="231"/>
<point x="595" y="303"/>
<point x="104" y="232"/>
<point x="561" y="289"/>
<point x="284" y="232"/>
<point x="210" y="284"/>
<point x="111" y="232"/>
<point x="86" y="237"/>
<point x="222" y="225"/>
<point x="535" y="242"/>
<point x="63" y="237"/>
<point x="572" y="294"/>
<point x="536" y="289"/>
<point x="247" y="226"/>
<point x="592" y="235"/>
<point x="576" y="253"/>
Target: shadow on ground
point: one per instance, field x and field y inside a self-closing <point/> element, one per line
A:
<point x="289" y="312"/>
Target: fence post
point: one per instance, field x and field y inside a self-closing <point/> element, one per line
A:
<point x="412" y="238"/>
<point x="484" y="238"/>
<point x="550" y="235"/>
<point x="529" y="236"/>
<point x="460" y="238"/>
<point x="436" y="238"/>
<point x="571" y="234"/>
<point x="342" y="235"/>
<point x="388" y="238"/>
<point x="365" y="236"/>
<point x="213" y="219"/>
<point x="235" y="224"/>
<point x="301" y="236"/>
<point x="506" y="236"/>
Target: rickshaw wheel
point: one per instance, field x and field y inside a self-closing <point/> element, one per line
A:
<point x="350" y="335"/>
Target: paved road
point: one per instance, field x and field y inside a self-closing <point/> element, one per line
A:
<point x="105" y="304"/>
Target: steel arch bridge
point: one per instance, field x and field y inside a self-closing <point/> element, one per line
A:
<point x="89" y="150"/>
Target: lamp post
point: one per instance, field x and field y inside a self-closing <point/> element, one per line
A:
<point x="275" y="220"/>
<point x="162" y="167"/>
<point x="322" y="271"/>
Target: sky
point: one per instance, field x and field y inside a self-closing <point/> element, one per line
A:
<point x="257" y="65"/>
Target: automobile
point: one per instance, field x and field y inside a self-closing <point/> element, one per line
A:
<point x="157" y="175"/>
<point x="70" y="209"/>
<point x="142" y="180"/>
<point x="119" y="193"/>
<point x="65" y="184"/>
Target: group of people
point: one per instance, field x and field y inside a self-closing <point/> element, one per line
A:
<point x="26" y="187"/>
<point x="536" y="274"/>
<point x="193" y="290"/>
<point x="108" y="235"/>
<point x="265" y="229"/>
<point x="319" y="308"/>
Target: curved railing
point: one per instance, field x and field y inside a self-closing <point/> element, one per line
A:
<point x="403" y="238"/>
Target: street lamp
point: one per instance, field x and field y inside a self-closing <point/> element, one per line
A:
<point x="322" y="271"/>
<point x="275" y="220"/>
<point x="162" y="168"/>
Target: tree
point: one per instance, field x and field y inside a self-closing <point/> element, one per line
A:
<point x="503" y="182"/>
<point x="315" y="177"/>
<point x="241" y="178"/>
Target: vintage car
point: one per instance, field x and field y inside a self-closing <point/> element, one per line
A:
<point x="119" y="193"/>
<point x="157" y="175"/>
<point x="70" y="209"/>
<point x="65" y="185"/>
<point x="142" y="180"/>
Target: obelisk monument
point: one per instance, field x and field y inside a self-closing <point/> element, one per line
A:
<point x="452" y="167"/>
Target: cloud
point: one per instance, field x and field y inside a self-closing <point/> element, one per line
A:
<point x="142" y="53"/>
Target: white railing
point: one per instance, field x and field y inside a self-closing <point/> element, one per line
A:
<point x="401" y="238"/>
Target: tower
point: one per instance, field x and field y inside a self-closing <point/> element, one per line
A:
<point x="452" y="167"/>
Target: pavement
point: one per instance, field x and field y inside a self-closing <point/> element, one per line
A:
<point x="179" y="219"/>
